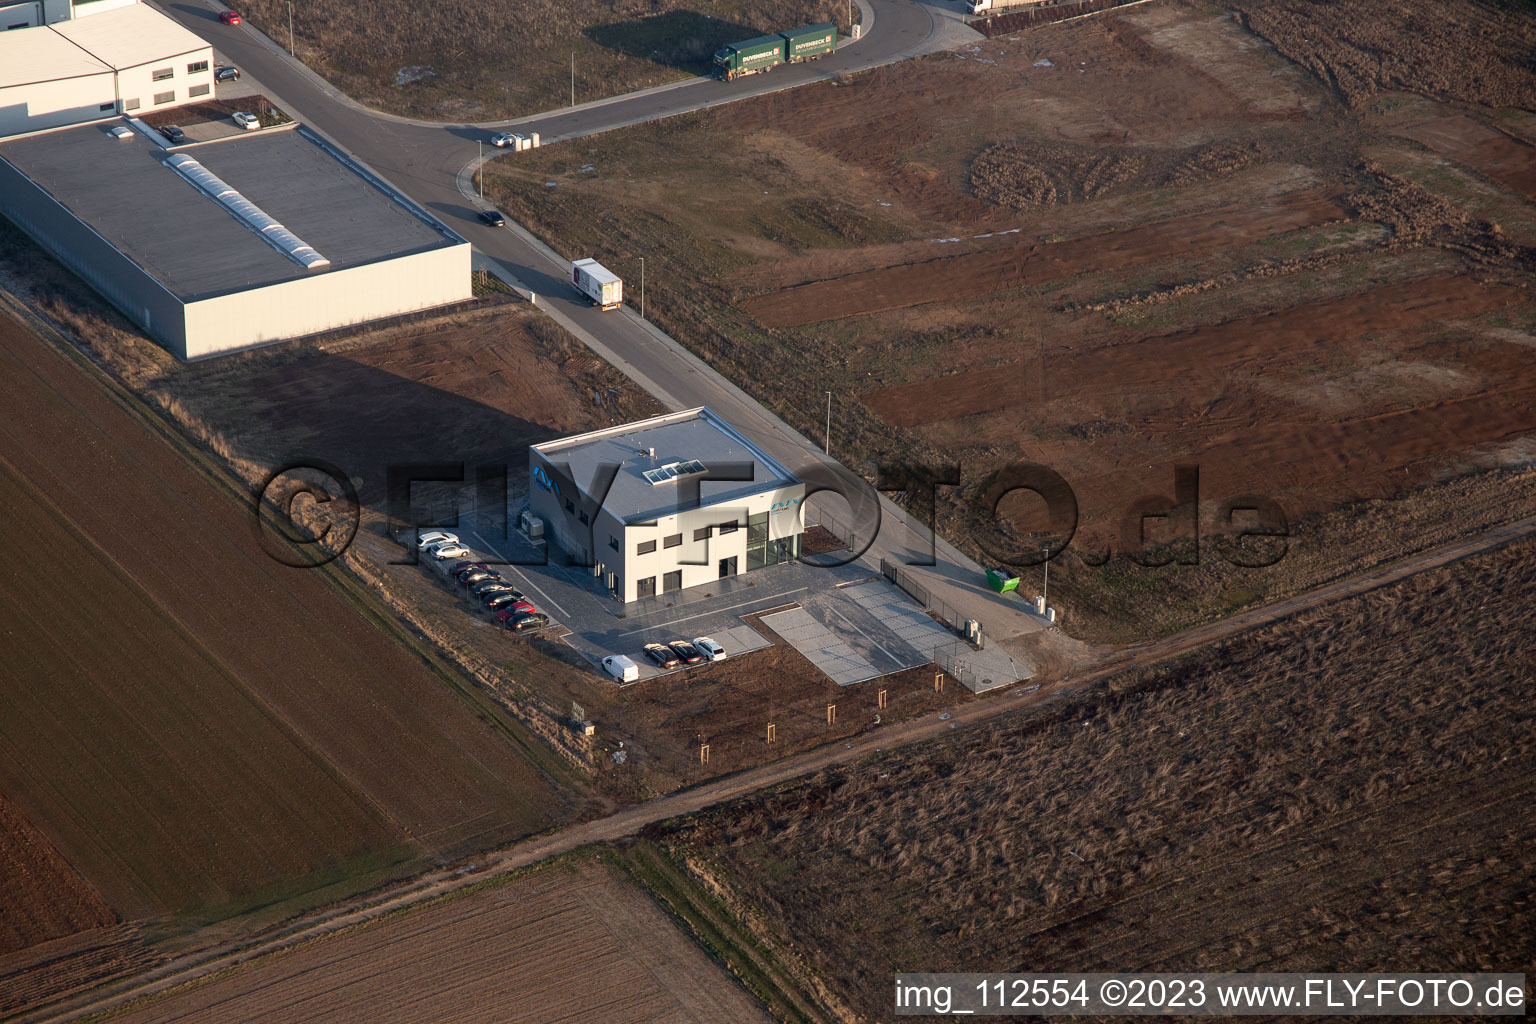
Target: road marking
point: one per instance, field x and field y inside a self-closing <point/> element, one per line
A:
<point x="689" y="618"/>
<point x="484" y="544"/>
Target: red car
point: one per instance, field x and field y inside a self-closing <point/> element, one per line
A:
<point x="512" y="611"/>
<point x="230" y="18"/>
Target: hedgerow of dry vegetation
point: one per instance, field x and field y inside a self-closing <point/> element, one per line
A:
<point x="468" y="58"/>
<point x="1349" y="791"/>
<point x="1482" y="52"/>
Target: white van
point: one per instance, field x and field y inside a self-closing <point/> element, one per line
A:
<point x="621" y="668"/>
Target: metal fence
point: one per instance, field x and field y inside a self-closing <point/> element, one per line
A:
<point x="844" y="530"/>
<point x="958" y="660"/>
<point x="939" y="609"/>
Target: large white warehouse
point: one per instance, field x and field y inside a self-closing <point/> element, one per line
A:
<point x="225" y="245"/>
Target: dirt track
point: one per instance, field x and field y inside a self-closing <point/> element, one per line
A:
<point x="631" y="820"/>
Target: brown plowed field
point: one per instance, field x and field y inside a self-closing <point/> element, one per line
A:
<point x="188" y="720"/>
<point x="565" y="944"/>
<point x="41" y="896"/>
<point x="52" y="970"/>
<point x="1508" y="161"/>
<point x="948" y="279"/>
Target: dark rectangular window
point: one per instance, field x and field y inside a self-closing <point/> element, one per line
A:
<point x="672" y="581"/>
<point x="725" y="528"/>
<point x="613" y="542"/>
<point x="198" y="90"/>
<point x="161" y="74"/>
<point x="165" y="97"/>
<point x="646" y="587"/>
<point x="645" y="547"/>
<point x="674" y="541"/>
<point x="570" y="509"/>
<point x="197" y="67"/>
<point x="107" y="106"/>
<point x="582" y="515"/>
<point x="701" y="534"/>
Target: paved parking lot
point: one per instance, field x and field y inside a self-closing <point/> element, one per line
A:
<point x="850" y="624"/>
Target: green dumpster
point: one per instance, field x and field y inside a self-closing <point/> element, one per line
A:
<point x="1002" y="581"/>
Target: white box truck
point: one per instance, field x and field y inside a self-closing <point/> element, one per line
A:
<point x="597" y="283"/>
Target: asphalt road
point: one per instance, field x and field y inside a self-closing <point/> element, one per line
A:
<point x="431" y="164"/>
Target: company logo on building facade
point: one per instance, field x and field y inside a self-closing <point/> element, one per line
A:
<point x="541" y="478"/>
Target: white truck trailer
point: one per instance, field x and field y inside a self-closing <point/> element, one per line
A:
<point x="597" y="283"/>
<point x="995" y="6"/>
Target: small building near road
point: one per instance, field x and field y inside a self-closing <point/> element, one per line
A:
<point x="217" y="247"/>
<point x="125" y="59"/>
<point x="676" y="501"/>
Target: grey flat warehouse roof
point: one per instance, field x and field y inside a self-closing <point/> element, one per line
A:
<point x="677" y="437"/>
<point x="191" y="244"/>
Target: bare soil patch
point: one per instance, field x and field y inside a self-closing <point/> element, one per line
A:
<point x="946" y="279"/>
<point x="41" y="896"/>
<point x="1508" y="161"/>
<point x="42" y="973"/>
<point x="1177" y="818"/>
<point x="569" y="942"/>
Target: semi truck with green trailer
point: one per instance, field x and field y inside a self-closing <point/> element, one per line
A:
<point x="750" y="56"/>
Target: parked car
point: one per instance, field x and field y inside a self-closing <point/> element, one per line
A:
<point x="512" y="611"/>
<point x="621" y="668"/>
<point x="448" y="549"/>
<point x="250" y="122"/>
<point x="426" y="540"/>
<point x="662" y="655"/>
<point x="492" y="218"/>
<point x="500" y="599"/>
<point x="226" y="73"/>
<point x="523" y="623"/>
<point x="459" y="567"/>
<point x="504" y="139"/>
<point x="120" y="133"/>
<point x="686" y="652"/>
<point x="469" y="579"/>
<point x="487" y="585"/>
<point x="173" y="132"/>
<point x="230" y="18"/>
<point x="710" y="649"/>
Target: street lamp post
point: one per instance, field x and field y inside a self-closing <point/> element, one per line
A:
<point x="290" y="28"/>
<point x="826" y="445"/>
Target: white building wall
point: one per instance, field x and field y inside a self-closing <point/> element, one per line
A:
<point x="138" y="82"/>
<point x="57" y="10"/>
<point x="326" y="300"/>
<point x="86" y="7"/>
<point x="33" y="108"/>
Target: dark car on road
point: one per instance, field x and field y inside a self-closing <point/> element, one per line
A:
<point x="527" y="621"/>
<point x="487" y="585"/>
<point x="662" y="655"/>
<point x="500" y="599"/>
<point x="686" y="652"/>
<point x="492" y="218"/>
<point x="474" y="576"/>
<point x="226" y="73"/>
<point x="173" y="132"/>
<point x="459" y="567"/>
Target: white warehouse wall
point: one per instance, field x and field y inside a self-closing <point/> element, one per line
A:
<point x="32" y="108"/>
<point x="137" y="83"/>
<point x="326" y="300"/>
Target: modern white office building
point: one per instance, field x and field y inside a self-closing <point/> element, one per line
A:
<point x="125" y="58"/>
<point x="675" y="501"/>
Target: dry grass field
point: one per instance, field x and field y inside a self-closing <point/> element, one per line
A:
<point x="570" y="942"/>
<point x="469" y="60"/>
<point x="1158" y="242"/>
<point x="1347" y="791"/>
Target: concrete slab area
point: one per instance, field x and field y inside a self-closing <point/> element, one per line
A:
<point x="821" y="646"/>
